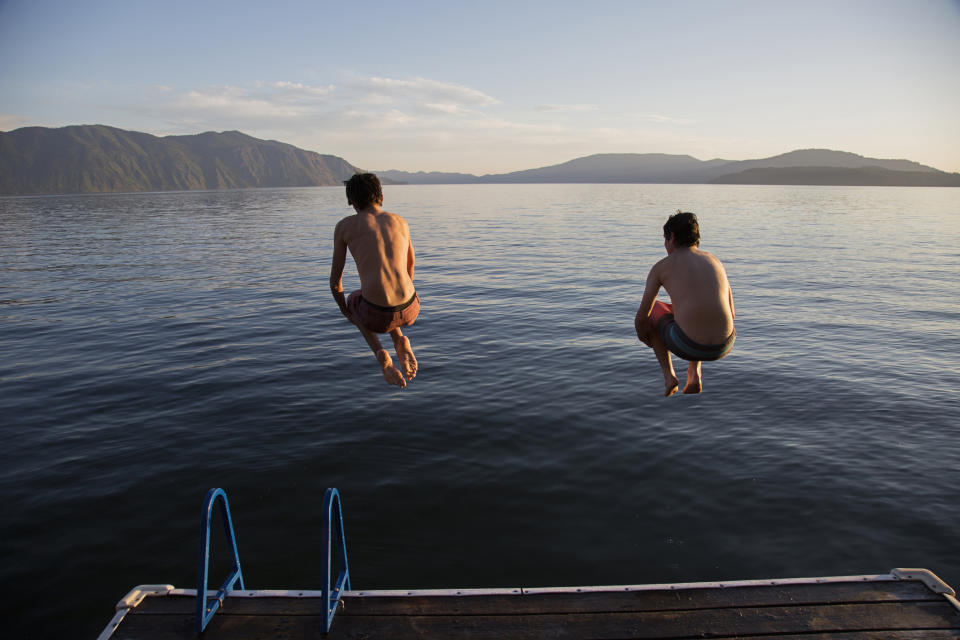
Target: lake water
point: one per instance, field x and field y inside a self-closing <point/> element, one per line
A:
<point x="155" y="345"/>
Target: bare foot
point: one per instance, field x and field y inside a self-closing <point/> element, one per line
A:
<point x="671" y="387"/>
<point x="408" y="363"/>
<point x="390" y="373"/>
<point x="693" y="387"/>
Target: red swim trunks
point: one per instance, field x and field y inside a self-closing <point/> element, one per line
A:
<point x="660" y="309"/>
<point x="379" y="319"/>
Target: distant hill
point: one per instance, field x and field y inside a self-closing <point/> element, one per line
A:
<point x="428" y="177"/>
<point x="825" y="158"/>
<point x="861" y="176"/>
<point x="618" y="167"/>
<point x="805" y="166"/>
<point x="602" y="167"/>
<point x="97" y="158"/>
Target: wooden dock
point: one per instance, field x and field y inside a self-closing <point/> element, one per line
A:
<point x="906" y="604"/>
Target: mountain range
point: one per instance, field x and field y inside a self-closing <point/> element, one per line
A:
<point x="805" y="166"/>
<point x="98" y="158"/>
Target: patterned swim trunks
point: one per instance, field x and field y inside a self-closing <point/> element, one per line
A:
<point x="378" y="319"/>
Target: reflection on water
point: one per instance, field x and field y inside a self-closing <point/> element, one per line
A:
<point x="155" y="345"/>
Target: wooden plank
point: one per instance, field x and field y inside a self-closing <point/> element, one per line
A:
<point x="568" y="602"/>
<point x="714" y="623"/>
<point x="269" y="606"/>
<point x="180" y="627"/>
<point x="659" y="600"/>
<point x="882" y="620"/>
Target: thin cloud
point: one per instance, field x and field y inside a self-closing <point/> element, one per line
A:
<point x="376" y="101"/>
<point x="231" y="102"/>
<point x="654" y="117"/>
<point x="449" y="109"/>
<point x="261" y="105"/>
<point x="423" y="89"/>
<point x="565" y="108"/>
<point x="366" y="119"/>
<point x="296" y="90"/>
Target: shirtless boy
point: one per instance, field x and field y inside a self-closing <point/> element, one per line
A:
<point x="379" y="242"/>
<point x="698" y="325"/>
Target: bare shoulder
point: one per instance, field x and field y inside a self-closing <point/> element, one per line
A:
<point x="665" y="263"/>
<point x="708" y="255"/>
<point x="662" y="266"/>
<point x="398" y="222"/>
<point x="396" y="217"/>
<point x="343" y="227"/>
<point x="712" y="258"/>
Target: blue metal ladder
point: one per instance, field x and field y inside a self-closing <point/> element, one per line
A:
<point x="332" y="514"/>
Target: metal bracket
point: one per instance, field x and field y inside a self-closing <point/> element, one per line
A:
<point x="331" y="501"/>
<point x="206" y="608"/>
<point x="138" y="593"/>
<point x="131" y="601"/>
<point x="927" y="577"/>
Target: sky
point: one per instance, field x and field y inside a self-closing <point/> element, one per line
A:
<point x="491" y="86"/>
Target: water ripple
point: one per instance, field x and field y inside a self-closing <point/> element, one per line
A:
<point x="155" y="345"/>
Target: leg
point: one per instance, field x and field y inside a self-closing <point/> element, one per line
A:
<point x="390" y="373"/>
<point x="694" y="382"/>
<point x="651" y="338"/>
<point x="671" y="384"/>
<point x="401" y="344"/>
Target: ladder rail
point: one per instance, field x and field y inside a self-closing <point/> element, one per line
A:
<point x="206" y="608"/>
<point x="333" y="517"/>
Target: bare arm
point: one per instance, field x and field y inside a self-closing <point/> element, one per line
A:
<point x="641" y="322"/>
<point x="410" y="260"/>
<point x="336" y="270"/>
<point x="733" y="314"/>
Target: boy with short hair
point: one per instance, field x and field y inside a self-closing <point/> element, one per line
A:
<point x="379" y="242"/>
<point x="698" y="324"/>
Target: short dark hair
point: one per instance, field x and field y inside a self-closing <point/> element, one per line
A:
<point x="685" y="229"/>
<point x="363" y="189"/>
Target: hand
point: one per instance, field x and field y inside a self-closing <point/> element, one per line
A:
<point x="341" y="302"/>
<point x="643" y="330"/>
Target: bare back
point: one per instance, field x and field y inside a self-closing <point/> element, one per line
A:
<point x="700" y="294"/>
<point x="379" y="242"/>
